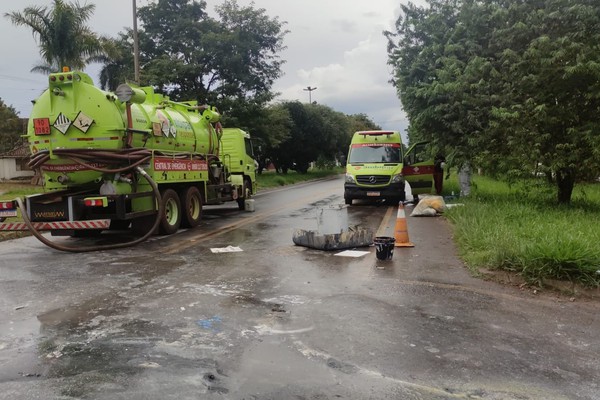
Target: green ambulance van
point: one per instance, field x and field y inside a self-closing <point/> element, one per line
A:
<point x="377" y="167"/>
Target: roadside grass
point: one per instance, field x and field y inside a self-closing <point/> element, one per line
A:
<point x="521" y="228"/>
<point x="10" y="191"/>
<point x="271" y="179"/>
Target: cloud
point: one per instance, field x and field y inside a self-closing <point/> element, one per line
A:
<point x="358" y="84"/>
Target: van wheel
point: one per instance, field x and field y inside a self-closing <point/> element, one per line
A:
<point x="171" y="219"/>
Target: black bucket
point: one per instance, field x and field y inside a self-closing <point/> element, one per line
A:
<point x="384" y="247"/>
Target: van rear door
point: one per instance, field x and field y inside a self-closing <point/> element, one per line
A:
<point x="418" y="168"/>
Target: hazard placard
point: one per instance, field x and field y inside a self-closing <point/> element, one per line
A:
<point x="62" y="123"/>
<point x="41" y="126"/>
<point x="83" y="122"/>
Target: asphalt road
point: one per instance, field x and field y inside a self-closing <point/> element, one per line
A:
<point x="169" y="319"/>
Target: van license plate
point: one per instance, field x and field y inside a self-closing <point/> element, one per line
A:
<point x="373" y="194"/>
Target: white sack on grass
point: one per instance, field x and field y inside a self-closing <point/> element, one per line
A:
<point x="429" y="206"/>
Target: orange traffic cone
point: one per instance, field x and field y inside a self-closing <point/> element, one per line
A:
<point x="401" y="231"/>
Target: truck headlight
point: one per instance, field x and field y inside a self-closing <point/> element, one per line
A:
<point x="398" y="178"/>
<point x="350" y="178"/>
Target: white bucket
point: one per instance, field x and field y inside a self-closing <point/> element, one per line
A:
<point x="249" y="205"/>
<point x="332" y="219"/>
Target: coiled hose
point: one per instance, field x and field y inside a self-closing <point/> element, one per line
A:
<point x="85" y="157"/>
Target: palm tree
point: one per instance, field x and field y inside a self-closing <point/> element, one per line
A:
<point x="61" y="33"/>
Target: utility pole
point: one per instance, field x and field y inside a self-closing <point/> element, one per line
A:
<point x="136" y="48"/>
<point x="310" y="90"/>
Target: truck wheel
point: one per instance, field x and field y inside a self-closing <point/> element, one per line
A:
<point x="192" y="207"/>
<point x="171" y="218"/>
<point x="348" y="200"/>
<point x="247" y="192"/>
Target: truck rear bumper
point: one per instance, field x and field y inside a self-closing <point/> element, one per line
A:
<point x="56" y="225"/>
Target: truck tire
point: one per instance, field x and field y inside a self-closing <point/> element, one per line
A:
<point x="192" y="207"/>
<point x="348" y="200"/>
<point x="170" y="221"/>
<point x="247" y="192"/>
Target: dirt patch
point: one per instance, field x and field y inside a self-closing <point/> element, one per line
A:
<point x="566" y="289"/>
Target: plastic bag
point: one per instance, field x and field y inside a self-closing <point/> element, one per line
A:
<point x="429" y="206"/>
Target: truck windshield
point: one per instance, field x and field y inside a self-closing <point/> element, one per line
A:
<point x="380" y="153"/>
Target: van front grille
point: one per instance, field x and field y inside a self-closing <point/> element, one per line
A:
<point x="373" y="179"/>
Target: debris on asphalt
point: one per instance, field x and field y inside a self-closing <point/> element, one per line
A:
<point x="228" y="249"/>
<point x="352" y="253"/>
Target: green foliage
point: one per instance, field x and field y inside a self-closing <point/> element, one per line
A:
<point x="11" y="127"/>
<point x="231" y="61"/>
<point x="521" y="229"/>
<point x="510" y="86"/>
<point x="63" y="37"/>
<point x="315" y="132"/>
<point x="118" y="62"/>
<point x="272" y="179"/>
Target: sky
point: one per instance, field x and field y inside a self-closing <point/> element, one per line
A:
<point x="335" y="46"/>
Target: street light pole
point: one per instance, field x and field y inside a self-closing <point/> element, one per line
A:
<point x="136" y="49"/>
<point x="310" y="90"/>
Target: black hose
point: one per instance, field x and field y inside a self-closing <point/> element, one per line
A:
<point x="85" y="249"/>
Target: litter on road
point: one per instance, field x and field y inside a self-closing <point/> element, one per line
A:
<point x="228" y="249"/>
<point x="352" y="253"/>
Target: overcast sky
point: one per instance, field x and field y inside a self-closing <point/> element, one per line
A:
<point x="336" y="46"/>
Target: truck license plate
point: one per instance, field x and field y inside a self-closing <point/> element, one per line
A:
<point x="8" y="213"/>
<point x="373" y="194"/>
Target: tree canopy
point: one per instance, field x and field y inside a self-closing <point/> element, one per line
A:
<point x="62" y="35"/>
<point x="11" y="127"/>
<point x="315" y="133"/>
<point x="511" y="86"/>
<point x="231" y="60"/>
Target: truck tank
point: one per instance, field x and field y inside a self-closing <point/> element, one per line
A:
<point x="76" y="129"/>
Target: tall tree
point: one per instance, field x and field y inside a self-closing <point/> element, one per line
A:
<point x="11" y="127"/>
<point x="316" y="132"/>
<point x="230" y="61"/>
<point x="512" y="85"/>
<point x="61" y="33"/>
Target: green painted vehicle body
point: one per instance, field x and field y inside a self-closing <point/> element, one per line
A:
<point x="104" y="155"/>
<point x="81" y="116"/>
<point x="378" y="167"/>
<point x="374" y="167"/>
<point x="237" y="153"/>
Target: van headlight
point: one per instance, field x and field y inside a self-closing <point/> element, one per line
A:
<point x="350" y="178"/>
<point x="398" y="178"/>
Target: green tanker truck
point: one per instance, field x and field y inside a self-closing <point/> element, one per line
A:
<point x="132" y="159"/>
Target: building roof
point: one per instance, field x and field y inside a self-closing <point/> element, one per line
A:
<point x="21" y="151"/>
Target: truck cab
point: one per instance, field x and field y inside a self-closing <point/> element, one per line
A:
<point x="236" y="151"/>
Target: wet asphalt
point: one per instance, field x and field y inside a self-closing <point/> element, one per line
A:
<point x="170" y="319"/>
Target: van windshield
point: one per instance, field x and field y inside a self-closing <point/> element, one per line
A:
<point x="375" y="153"/>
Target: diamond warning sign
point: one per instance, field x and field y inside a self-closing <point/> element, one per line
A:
<point x="82" y="122"/>
<point x="62" y="123"/>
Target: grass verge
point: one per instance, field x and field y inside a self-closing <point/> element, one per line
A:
<point x="521" y="229"/>
<point x="270" y="179"/>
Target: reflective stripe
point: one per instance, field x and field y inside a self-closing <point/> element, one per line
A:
<point x="48" y="226"/>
